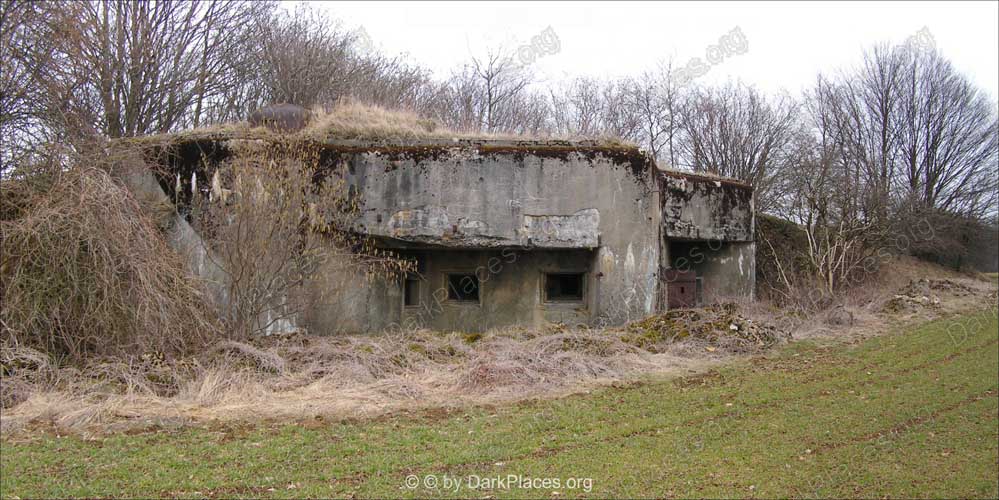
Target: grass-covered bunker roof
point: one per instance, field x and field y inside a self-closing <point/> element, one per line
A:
<point x="352" y="128"/>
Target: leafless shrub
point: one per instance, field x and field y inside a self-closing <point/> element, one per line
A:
<point x="85" y="272"/>
<point x="305" y="58"/>
<point x="22" y="370"/>
<point x="277" y="213"/>
<point x="588" y="107"/>
<point x="959" y="241"/>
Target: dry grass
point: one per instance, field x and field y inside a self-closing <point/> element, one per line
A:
<point x="867" y="304"/>
<point x="299" y="376"/>
<point x="352" y="120"/>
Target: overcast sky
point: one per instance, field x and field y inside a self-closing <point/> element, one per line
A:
<point x="788" y="43"/>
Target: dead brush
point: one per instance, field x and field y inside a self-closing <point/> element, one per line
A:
<point x="22" y="370"/>
<point x="365" y="359"/>
<point x="298" y="376"/>
<point x="145" y="375"/>
<point x="534" y="364"/>
<point x="85" y="272"/>
<point x="240" y="352"/>
<point x="333" y="376"/>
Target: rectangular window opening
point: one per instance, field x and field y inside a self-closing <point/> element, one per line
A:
<point x="411" y="292"/>
<point x="564" y="287"/>
<point x="463" y="287"/>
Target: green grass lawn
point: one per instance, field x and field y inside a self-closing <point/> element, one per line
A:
<point x="912" y="414"/>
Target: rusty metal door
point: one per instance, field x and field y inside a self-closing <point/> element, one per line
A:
<point x="681" y="288"/>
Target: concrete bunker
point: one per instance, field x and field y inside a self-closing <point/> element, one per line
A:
<point x="708" y="230"/>
<point x="512" y="233"/>
<point x="473" y="290"/>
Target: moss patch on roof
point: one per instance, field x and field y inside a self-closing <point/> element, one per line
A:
<point x="704" y="177"/>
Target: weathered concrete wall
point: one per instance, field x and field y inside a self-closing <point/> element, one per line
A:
<point x="511" y="212"/>
<point x="727" y="269"/>
<point x="703" y="208"/>
<point x="707" y="227"/>
<point x="730" y="273"/>
<point x="341" y="299"/>
<point x="532" y="195"/>
<point x="510" y="292"/>
<point x="474" y="203"/>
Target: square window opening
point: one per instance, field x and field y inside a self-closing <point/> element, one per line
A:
<point x="463" y="287"/>
<point x="564" y="287"/>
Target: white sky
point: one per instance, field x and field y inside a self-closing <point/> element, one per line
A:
<point x="788" y="43"/>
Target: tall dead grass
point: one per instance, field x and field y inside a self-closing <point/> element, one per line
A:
<point x="301" y="376"/>
<point x="353" y="120"/>
<point x="349" y="119"/>
<point x="86" y="273"/>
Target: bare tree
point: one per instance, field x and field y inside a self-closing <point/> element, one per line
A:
<point x="859" y="113"/>
<point x="25" y="49"/>
<point x="947" y="137"/>
<point x="149" y="63"/>
<point x="487" y="94"/>
<point x="656" y="99"/>
<point x="902" y="145"/>
<point x="734" y="131"/>
<point x="225" y="61"/>
<point x="501" y="81"/>
<point x="115" y="69"/>
<point x="909" y="134"/>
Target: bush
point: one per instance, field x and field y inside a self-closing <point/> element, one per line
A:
<point x="957" y="241"/>
<point x="781" y="247"/>
<point x="85" y="272"/>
